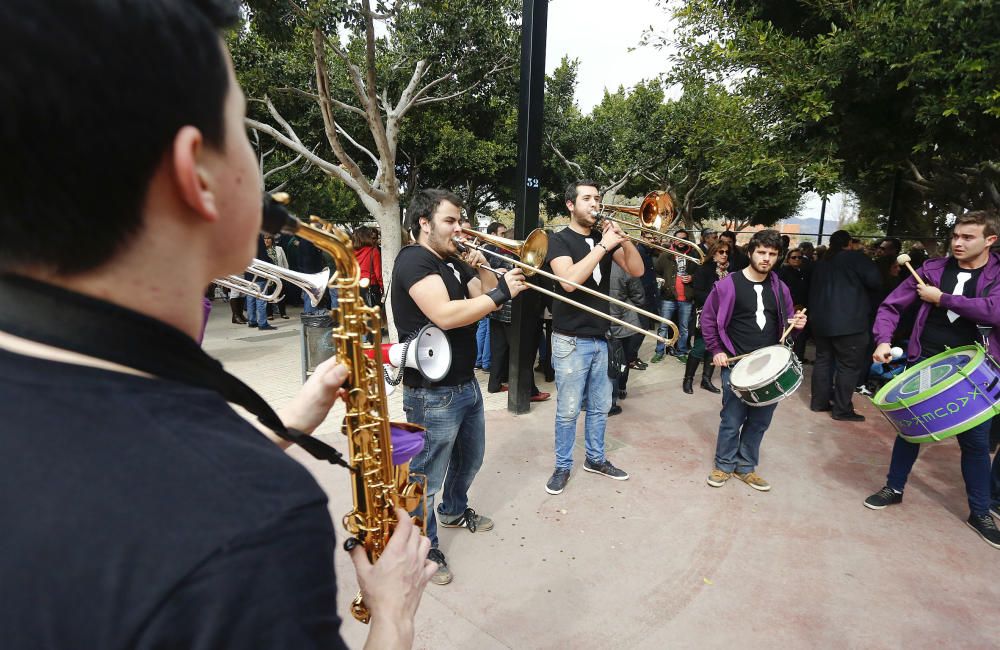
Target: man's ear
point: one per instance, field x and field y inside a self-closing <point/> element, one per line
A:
<point x="569" y="206"/>
<point x="191" y="176"/>
<point x="424" y="221"/>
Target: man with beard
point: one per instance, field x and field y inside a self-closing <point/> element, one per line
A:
<point x="961" y="293"/>
<point x="583" y="255"/>
<point x="746" y="311"/>
<point x="431" y="284"/>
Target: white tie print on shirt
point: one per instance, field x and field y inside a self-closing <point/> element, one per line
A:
<point x="597" y="269"/>
<point x="963" y="277"/>
<point x="761" y="319"/>
<point x="458" y="276"/>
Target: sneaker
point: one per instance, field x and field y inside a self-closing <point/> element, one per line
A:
<point x="986" y="527"/>
<point x="863" y="390"/>
<point x="718" y="478"/>
<point x="443" y="574"/>
<point x="267" y="327"/>
<point x="606" y="468"/>
<point x="469" y="519"/>
<point x="638" y="365"/>
<point x="754" y="480"/>
<point x="995" y="509"/>
<point x="683" y="358"/>
<point x="656" y="358"/>
<point x="557" y="482"/>
<point x="884" y="497"/>
<point x="615" y="410"/>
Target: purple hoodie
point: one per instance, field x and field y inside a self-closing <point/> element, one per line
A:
<point x="718" y="311"/>
<point x="982" y="310"/>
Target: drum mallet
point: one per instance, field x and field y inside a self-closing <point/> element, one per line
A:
<point x="904" y="260"/>
<point x="788" y="330"/>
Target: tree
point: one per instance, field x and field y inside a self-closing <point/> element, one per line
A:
<point x="892" y="99"/>
<point x="366" y="81"/>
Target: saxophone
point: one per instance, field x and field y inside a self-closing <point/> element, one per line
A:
<point x="378" y="486"/>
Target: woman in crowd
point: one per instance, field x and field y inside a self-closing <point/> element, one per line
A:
<point x="276" y="255"/>
<point x="796" y="277"/>
<point x="715" y="267"/>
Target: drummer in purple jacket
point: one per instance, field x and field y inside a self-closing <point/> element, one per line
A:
<point x="746" y="310"/>
<point x="962" y="292"/>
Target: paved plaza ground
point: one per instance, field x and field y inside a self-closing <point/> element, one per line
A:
<point x="663" y="560"/>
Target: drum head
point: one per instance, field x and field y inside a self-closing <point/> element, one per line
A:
<point x="761" y="366"/>
<point x="926" y="376"/>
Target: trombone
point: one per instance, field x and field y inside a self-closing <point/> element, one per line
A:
<point x="651" y="212"/>
<point x="533" y="251"/>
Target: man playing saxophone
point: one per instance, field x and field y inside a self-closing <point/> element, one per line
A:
<point x="430" y="284"/>
<point x="143" y="512"/>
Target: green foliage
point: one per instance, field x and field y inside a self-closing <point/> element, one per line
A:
<point x="866" y="90"/>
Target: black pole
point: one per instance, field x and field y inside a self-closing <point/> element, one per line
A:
<point x="822" y="218"/>
<point x="525" y="317"/>
<point x="890" y="228"/>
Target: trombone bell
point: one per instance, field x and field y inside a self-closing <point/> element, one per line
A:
<point x="314" y="284"/>
<point x="532" y="250"/>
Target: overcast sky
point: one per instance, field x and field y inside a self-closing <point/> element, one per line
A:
<point x="600" y="33"/>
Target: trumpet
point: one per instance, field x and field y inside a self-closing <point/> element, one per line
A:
<point x="654" y="208"/>
<point x="313" y="284"/>
<point x="270" y="292"/>
<point x="534" y="250"/>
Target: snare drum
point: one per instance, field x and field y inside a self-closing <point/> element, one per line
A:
<point x="942" y="396"/>
<point x="766" y="376"/>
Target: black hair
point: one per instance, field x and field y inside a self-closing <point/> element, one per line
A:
<point x="896" y="243"/>
<point x="423" y="205"/>
<point x="571" y="189"/>
<point x="494" y="227"/>
<point x="839" y="241"/>
<point x="677" y="233"/>
<point x="764" y="239"/>
<point x="728" y="233"/>
<point x="94" y="94"/>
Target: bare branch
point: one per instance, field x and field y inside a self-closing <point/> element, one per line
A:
<point x="281" y="167"/>
<point x="573" y="167"/>
<point x="421" y="100"/>
<point x="313" y="96"/>
<point x="361" y="147"/>
<point x="297" y="147"/>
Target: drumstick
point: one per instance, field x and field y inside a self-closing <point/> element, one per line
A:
<point x="904" y="260"/>
<point x="788" y="330"/>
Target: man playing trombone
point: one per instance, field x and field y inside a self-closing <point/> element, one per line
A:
<point x="583" y="254"/>
<point x="430" y="284"/>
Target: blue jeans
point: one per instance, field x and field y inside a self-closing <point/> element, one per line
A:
<point x="307" y="306"/>
<point x="975" y="445"/>
<point x="668" y="308"/>
<point x="581" y="366"/>
<point x="741" y="430"/>
<point x="483" y="344"/>
<point x="454" y="444"/>
<point x="257" y="308"/>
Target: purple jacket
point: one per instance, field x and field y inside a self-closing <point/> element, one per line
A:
<point x="982" y="310"/>
<point x="718" y="311"/>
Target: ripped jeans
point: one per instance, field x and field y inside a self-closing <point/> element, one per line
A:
<point x="581" y="365"/>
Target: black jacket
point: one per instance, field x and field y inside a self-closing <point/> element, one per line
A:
<point x="838" y="294"/>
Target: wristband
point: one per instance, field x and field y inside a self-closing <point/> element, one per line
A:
<point x="601" y="244"/>
<point x="497" y="296"/>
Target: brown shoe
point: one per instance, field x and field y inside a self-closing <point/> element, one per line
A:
<point x="718" y="478"/>
<point x="753" y="480"/>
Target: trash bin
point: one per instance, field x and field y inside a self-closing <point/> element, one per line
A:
<point x="317" y="344"/>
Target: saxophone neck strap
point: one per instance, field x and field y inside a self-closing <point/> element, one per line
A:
<point x="70" y="321"/>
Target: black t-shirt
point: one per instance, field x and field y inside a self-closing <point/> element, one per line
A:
<point x="753" y="299"/>
<point x="143" y="513"/>
<point x="940" y="331"/>
<point x="413" y="264"/>
<point x="566" y="318"/>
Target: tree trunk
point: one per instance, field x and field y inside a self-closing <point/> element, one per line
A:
<point x="387" y="215"/>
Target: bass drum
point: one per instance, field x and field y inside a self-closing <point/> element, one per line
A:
<point x="942" y="396"/>
<point x="766" y="376"/>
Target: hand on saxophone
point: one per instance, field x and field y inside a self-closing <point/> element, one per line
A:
<point x="392" y="587"/>
<point x="316" y="397"/>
